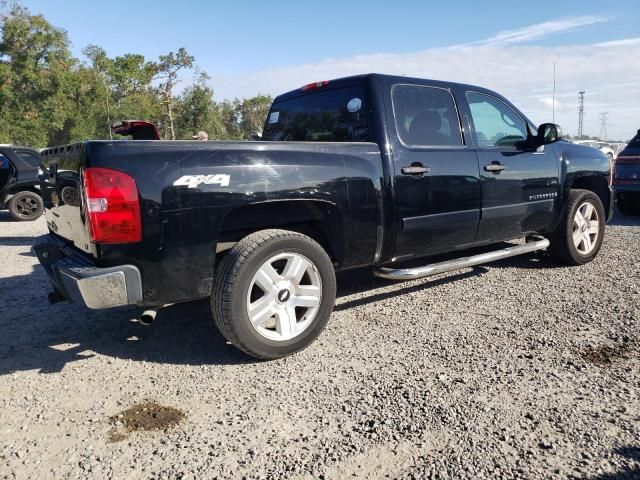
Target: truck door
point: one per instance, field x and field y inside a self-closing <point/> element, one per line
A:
<point x="519" y="183"/>
<point x="436" y="174"/>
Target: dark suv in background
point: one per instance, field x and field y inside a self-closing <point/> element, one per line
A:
<point x="19" y="183"/>
<point x="627" y="178"/>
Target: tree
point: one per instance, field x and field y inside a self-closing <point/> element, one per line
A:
<point x="48" y="97"/>
<point x="167" y="72"/>
<point x="36" y="70"/>
<point x="196" y="110"/>
<point x="252" y="113"/>
<point x="229" y="113"/>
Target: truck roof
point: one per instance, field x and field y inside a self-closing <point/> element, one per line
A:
<point x="359" y="79"/>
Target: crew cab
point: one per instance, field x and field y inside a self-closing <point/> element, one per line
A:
<point x="365" y="171"/>
<point x="19" y="182"/>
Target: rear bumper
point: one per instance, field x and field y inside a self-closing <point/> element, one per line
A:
<point x="630" y="189"/>
<point x="78" y="280"/>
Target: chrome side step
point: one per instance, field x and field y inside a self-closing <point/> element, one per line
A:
<point x="441" y="267"/>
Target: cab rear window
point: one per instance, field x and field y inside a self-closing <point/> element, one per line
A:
<point x="336" y="115"/>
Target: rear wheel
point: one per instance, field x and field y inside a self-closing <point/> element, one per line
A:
<point x="578" y="238"/>
<point x="25" y="206"/>
<point x="273" y="293"/>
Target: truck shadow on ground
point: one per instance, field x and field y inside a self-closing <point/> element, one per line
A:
<point x="625" y="220"/>
<point x="632" y="471"/>
<point x="37" y="336"/>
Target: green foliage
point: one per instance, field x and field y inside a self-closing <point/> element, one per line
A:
<point x="36" y="78"/>
<point x="47" y="97"/>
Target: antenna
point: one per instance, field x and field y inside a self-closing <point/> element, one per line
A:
<point x="580" y="113"/>
<point x="553" y="102"/>
<point x="603" y="125"/>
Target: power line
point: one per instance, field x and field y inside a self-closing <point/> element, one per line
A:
<point x="580" y="113"/>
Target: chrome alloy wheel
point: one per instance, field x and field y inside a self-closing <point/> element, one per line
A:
<point x="284" y="296"/>
<point x="586" y="228"/>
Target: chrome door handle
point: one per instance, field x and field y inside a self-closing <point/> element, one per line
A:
<point x="494" y="167"/>
<point x="415" y="170"/>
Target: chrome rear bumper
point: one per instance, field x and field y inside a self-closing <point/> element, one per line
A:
<point x="75" y="278"/>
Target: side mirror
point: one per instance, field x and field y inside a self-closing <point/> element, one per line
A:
<point x="548" y="133"/>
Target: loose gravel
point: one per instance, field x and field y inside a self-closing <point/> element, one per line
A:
<point x="519" y="369"/>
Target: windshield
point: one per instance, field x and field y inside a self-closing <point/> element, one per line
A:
<point x="337" y="115"/>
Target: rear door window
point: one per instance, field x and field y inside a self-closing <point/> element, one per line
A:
<point x="336" y="115"/>
<point x="426" y="116"/>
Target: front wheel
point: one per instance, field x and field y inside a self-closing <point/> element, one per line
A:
<point x="578" y="238"/>
<point x="273" y="293"/>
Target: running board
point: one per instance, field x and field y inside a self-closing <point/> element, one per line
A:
<point x="458" y="263"/>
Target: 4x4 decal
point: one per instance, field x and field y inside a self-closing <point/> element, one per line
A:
<point x="193" y="181"/>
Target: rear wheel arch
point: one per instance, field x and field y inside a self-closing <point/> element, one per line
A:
<point x="319" y="220"/>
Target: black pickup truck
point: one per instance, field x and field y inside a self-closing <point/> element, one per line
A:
<point x="370" y="170"/>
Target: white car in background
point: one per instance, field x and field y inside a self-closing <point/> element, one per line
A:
<point x="602" y="146"/>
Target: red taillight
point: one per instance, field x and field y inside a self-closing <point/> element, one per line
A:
<point x="315" y="85"/>
<point x="113" y="207"/>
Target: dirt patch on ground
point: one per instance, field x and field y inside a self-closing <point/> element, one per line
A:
<point x="606" y="354"/>
<point x="148" y="415"/>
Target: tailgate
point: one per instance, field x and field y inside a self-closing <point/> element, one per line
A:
<point x="60" y="187"/>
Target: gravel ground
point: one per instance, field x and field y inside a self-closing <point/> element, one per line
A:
<point x="514" y="370"/>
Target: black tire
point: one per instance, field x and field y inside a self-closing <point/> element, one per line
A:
<point x="628" y="207"/>
<point x="233" y="279"/>
<point x="25" y="206"/>
<point x="562" y="248"/>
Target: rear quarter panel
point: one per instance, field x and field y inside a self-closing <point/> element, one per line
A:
<point x="181" y="222"/>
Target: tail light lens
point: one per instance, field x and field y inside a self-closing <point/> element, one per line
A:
<point x="627" y="170"/>
<point x="113" y="206"/>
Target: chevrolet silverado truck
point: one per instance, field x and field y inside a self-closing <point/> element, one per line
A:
<point x="366" y="171"/>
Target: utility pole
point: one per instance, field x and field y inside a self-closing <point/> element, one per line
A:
<point x="580" y="113"/>
<point x="603" y="125"/>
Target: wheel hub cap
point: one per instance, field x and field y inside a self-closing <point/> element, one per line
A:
<point x="284" y="296"/>
<point x="586" y="228"/>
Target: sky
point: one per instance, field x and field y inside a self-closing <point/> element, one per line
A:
<point x="251" y="47"/>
